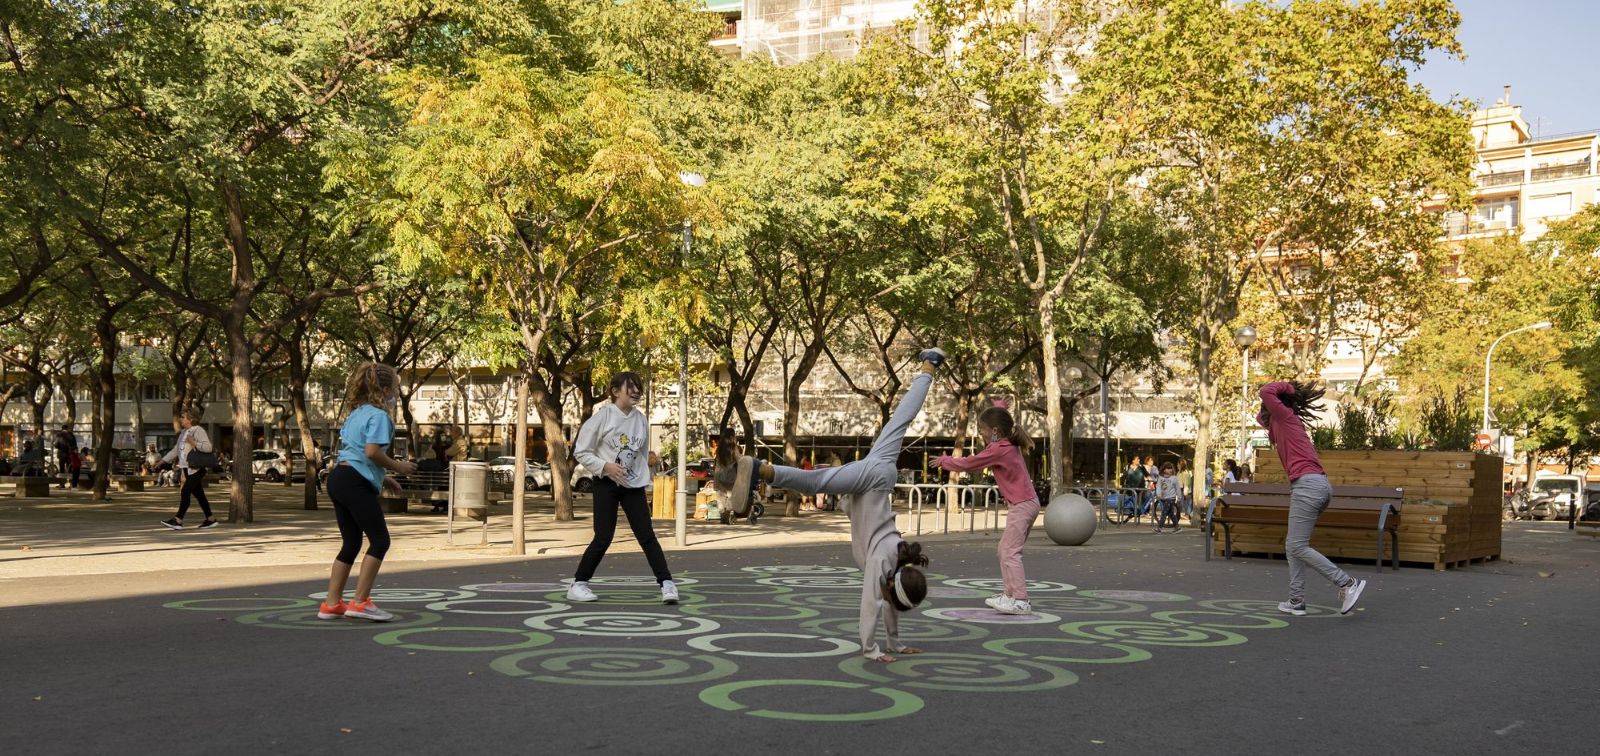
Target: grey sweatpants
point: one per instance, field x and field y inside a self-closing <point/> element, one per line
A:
<point x="874" y="472"/>
<point x="1308" y="496"/>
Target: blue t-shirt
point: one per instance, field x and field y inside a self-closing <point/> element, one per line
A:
<point x="367" y="424"/>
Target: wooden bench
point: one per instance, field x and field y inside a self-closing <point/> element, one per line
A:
<point x="1367" y="508"/>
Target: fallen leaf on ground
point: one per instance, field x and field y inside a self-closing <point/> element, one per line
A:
<point x="1547" y="574"/>
<point x="344" y="729"/>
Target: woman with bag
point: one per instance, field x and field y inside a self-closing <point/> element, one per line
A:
<point x="191" y="455"/>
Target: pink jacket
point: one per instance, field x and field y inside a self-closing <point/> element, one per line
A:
<point x="1288" y="435"/>
<point x="1010" y="469"/>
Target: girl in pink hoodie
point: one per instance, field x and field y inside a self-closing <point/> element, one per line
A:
<point x="1003" y="455"/>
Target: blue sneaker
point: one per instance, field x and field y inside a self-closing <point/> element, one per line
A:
<point x="933" y="355"/>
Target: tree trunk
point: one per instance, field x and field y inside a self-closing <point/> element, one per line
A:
<point x="137" y="421"/>
<point x="519" y="471"/>
<point x="302" y="421"/>
<point x="240" y="507"/>
<point x="1054" y="432"/>
<point x="561" y="465"/>
<point x="1068" y="415"/>
<point x="791" y="414"/>
<point x="1206" y="383"/>
<point x="105" y="415"/>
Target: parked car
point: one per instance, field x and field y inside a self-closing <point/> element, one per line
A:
<point x="277" y="464"/>
<point x="537" y="475"/>
<point x="1560" y="493"/>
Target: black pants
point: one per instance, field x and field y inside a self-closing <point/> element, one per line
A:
<point x="607" y="496"/>
<point x="355" y="505"/>
<point x="194" y="484"/>
<point x="1168" y="510"/>
<point x="77" y="472"/>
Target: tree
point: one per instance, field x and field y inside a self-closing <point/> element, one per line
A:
<point x="1287" y="130"/>
<point x="1049" y="141"/>
<point x="528" y="179"/>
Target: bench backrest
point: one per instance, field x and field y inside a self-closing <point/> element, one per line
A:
<point x="1276" y="496"/>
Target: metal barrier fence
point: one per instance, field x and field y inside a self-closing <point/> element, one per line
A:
<point x="941" y="496"/>
<point x="1117" y="504"/>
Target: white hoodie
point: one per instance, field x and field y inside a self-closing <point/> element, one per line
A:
<point x="611" y="436"/>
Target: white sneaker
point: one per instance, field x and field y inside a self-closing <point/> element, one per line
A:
<point x="669" y="592"/>
<point x="994" y="601"/>
<point x="1349" y="594"/>
<point x="1290" y="607"/>
<point x="1008" y="605"/>
<point x="580" y="592"/>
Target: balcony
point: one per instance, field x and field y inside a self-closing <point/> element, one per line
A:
<point x="1569" y="170"/>
<point x="1457" y="225"/>
<point x="1499" y="178"/>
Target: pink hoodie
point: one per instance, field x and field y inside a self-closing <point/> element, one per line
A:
<point x="1010" y="470"/>
<point x="1287" y="434"/>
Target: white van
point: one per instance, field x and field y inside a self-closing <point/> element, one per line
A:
<point x="1565" y="491"/>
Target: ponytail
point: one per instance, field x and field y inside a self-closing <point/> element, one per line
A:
<point x="909" y="553"/>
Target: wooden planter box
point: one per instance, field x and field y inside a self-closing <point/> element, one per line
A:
<point x="1450" y="516"/>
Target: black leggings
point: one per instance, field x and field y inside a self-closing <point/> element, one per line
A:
<point x="194" y="484"/>
<point x="355" y="504"/>
<point x="607" y="495"/>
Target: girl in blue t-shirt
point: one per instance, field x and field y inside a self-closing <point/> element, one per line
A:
<point x="353" y="485"/>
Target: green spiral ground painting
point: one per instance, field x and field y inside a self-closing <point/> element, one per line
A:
<point x="724" y="644"/>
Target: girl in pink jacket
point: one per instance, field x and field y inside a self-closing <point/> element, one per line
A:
<point x="1003" y="456"/>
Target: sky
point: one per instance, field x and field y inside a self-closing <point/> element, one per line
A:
<point x="1547" y="50"/>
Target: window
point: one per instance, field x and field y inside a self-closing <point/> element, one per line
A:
<point x="1550" y="204"/>
<point x="155" y="392"/>
<point x="126" y="391"/>
<point x="1495" y="215"/>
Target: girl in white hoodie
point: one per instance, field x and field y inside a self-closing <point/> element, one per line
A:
<point x="613" y="445"/>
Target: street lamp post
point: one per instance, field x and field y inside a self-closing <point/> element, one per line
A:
<point x="1487" y="357"/>
<point x="1074" y="373"/>
<point x="1244" y="338"/>
<point x="681" y="516"/>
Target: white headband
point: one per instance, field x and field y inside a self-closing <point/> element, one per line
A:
<point x="900" y="591"/>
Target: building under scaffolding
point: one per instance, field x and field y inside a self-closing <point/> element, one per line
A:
<point x="790" y="31"/>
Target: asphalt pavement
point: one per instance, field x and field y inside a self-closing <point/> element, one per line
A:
<point x="1139" y="646"/>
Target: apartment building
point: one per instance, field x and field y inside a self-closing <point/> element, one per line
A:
<point x="1523" y="180"/>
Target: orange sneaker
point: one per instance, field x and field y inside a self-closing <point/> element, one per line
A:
<point x="366" y="610"/>
<point x="331" y="612"/>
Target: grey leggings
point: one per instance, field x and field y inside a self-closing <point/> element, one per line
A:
<point x="1308" y="496"/>
<point x="874" y="472"/>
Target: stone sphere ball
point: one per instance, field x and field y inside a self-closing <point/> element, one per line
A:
<point x="1070" y="520"/>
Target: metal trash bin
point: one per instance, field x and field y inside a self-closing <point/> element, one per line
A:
<point x="469" y="495"/>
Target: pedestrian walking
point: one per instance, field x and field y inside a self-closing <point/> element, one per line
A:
<point x="190" y="457"/>
<point x="66" y="444"/>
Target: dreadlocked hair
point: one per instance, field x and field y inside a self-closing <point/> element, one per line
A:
<point x="909" y="552"/>
<point x="1306" y="401"/>
<point x="371" y="383"/>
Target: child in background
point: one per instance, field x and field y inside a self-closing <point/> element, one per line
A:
<point x="1003" y="456"/>
<point x="1169" y="491"/>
